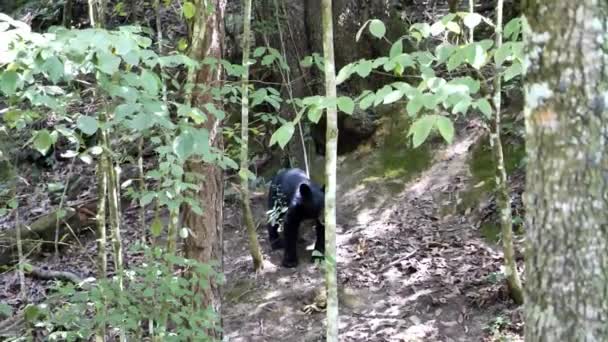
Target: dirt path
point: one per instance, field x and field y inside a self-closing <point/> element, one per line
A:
<point x="406" y="273"/>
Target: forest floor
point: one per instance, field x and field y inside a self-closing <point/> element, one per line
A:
<point x="410" y="268"/>
<point x="413" y="262"/>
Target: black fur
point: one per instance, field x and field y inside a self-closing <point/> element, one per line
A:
<point x="294" y="198"/>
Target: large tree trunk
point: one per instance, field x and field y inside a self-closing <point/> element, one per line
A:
<point x="567" y="191"/>
<point x="205" y="244"/>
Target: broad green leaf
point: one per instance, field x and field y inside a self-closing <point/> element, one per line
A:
<point x="346" y="104"/>
<point x="261" y="50"/>
<point x="307" y="61"/>
<point x="445" y="127"/>
<point x="183" y="145"/>
<point x="512" y="29"/>
<point x="123" y="45"/>
<point x="437" y="28"/>
<point x="393" y="96"/>
<point x="421" y="129"/>
<point x="344" y="73"/>
<point x="471" y="20"/>
<point x="423" y="28"/>
<point x="43" y="141"/>
<point x="453" y="27"/>
<point x="457" y="58"/>
<point x="363" y="68"/>
<point x="414" y="105"/>
<point x="87" y="124"/>
<point x="377" y="28"/>
<point x="283" y="134"/>
<point x="107" y="63"/>
<point x="444" y="51"/>
<point x="502" y="53"/>
<point x="462" y="106"/>
<point x="513" y="71"/>
<point x="381" y="93"/>
<point x="8" y="82"/>
<point x="189" y="10"/>
<point x="54" y="68"/>
<point x="396" y="48"/>
<point x="367" y="101"/>
<point x="484" y="106"/>
<point x="150" y="82"/>
<point x="476" y="56"/>
<point x="404" y="60"/>
<point x="314" y="114"/>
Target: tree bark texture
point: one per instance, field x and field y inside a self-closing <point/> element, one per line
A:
<point x="205" y="244"/>
<point x="331" y="281"/>
<point x="567" y="191"/>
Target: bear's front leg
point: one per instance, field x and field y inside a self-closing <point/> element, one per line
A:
<point x="290" y="232"/>
<point x="273" y="236"/>
<point x="320" y="242"/>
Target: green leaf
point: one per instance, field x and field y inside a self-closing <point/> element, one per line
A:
<point x="107" y="63"/>
<point x="513" y="71"/>
<point x="183" y="145"/>
<point x="8" y="82"/>
<point x="367" y="101"/>
<point x="377" y="28"/>
<point x="346" y="104"/>
<point x="364" y="68"/>
<point x="283" y="134"/>
<point x="54" y="68"/>
<point x="502" y="53"/>
<point x="484" y="106"/>
<point x="344" y="73"/>
<point x="414" y="105"/>
<point x="396" y="48"/>
<point x="189" y="10"/>
<point x="43" y="141"/>
<point x="156" y="227"/>
<point x="471" y="20"/>
<point x="87" y="124"/>
<point x="437" y="28"/>
<point x="453" y="27"/>
<point x="261" y="50"/>
<point x="456" y="59"/>
<point x="421" y="129"/>
<point x="462" y="106"/>
<point x="150" y="82"/>
<point x="393" y="96"/>
<point x="512" y="29"/>
<point x="446" y="128"/>
<point x="314" y="114"/>
<point x="476" y="55"/>
<point x="31" y="313"/>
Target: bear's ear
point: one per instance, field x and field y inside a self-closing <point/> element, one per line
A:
<point x="305" y="191"/>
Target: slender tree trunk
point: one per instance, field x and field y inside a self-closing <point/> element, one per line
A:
<point x="331" y="153"/>
<point x="254" y="245"/>
<point x="567" y="178"/>
<point x="205" y="245"/>
<point x="67" y="13"/>
<point x="97" y="13"/>
<point x="21" y="271"/>
<point x="502" y="190"/>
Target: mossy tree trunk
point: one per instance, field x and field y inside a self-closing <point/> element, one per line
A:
<point x="254" y="245"/>
<point x="502" y="189"/>
<point x="331" y="153"/>
<point x="567" y="178"/>
<point x="205" y="244"/>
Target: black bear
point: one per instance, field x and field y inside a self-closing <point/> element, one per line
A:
<point x="293" y="198"/>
